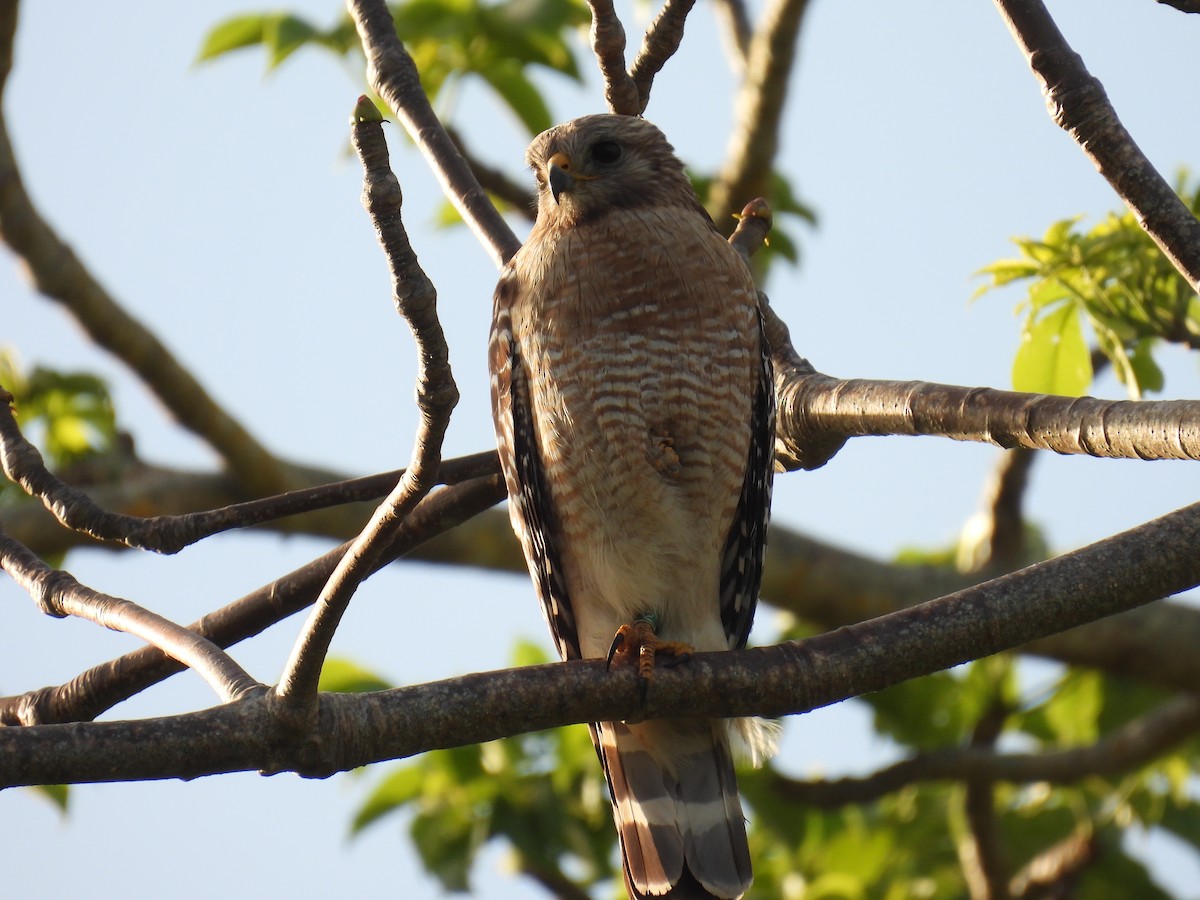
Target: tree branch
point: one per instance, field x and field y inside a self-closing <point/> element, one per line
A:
<point x="1054" y="872"/>
<point x="659" y="44"/>
<point x="394" y="77"/>
<point x="78" y="511"/>
<point x="1117" y="573"/>
<point x="102" y="687"/>
<point x="736" y="31"/>
<point x="1078" y="104"/>
<point x="754" y="141"/>
<point x="59" y="595"/>
<point x="982" y="854"/>
<point x="59" y="275"/>
<point x="1129" y="747"/>
<point x="437" y="395"/>
<point x="818" y="412"/>
<point x="608" y="45"/>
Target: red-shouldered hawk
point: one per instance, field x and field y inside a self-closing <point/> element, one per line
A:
<point x="634" y="406"/>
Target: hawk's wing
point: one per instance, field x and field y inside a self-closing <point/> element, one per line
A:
<point x="742" y="560"/>
<point x="531" y="510"/>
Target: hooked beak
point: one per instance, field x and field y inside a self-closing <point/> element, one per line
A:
<point x="558" y="174"/>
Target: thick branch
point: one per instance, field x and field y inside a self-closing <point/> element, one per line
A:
<point x="60" y="275"/>
<point x="819" y="411"/>
<point x="1117" y="573"/>
<point x="1078" y="104"/>
<point x="394" y="77"/>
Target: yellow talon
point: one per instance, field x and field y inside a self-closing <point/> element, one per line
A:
<point x="638" y="637"/>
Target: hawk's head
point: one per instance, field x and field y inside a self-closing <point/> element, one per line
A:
<point x="592" y="166"/>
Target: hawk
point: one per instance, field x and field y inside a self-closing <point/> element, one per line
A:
<point x="634" y="408"/>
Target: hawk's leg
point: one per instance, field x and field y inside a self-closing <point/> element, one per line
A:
<point x="639" y="639"/>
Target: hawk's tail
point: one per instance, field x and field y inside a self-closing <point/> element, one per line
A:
<point x="676" y="806"/>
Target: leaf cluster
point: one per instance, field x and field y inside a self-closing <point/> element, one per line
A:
<point x="906" y="843"/>
<point x="448" y="39"/>
<point x="540" y="794"/>
<point x="1111" y="277"/>
<point x="68" y="415"/>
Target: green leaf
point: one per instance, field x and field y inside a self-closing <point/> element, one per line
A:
<point x="922" y="713"/>
<point x="1073" y="713"/>
<point x="1053" y="357"/>
<point x="1148" y="376"/>
<point x="233" y="34"/>
<point x="58" y="794"/>
<point x="509" y="81"/>
<point x="395" y="792"/>
<point x="343" y="676"/>
<point x="284" y="34"/>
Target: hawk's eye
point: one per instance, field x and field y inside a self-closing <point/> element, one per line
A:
<point x="606" y="152"/>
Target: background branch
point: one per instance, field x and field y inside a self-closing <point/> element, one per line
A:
<point x="60" y="275"/>
<point x="754" y="142"/>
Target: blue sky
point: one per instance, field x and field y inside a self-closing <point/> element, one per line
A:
<point x="221" y="207"/>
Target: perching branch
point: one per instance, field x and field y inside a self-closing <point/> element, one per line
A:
<point x="394" y="77"/>
<point x="1078" y="104"/>
<point x="58" y="594"/>
<point x="1120" y="572"/>
<point x="437" y="395"/>
<point x="61" y="276"/>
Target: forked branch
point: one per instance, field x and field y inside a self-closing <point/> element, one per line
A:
<point x="437" y="395"/>
<point x="58" y="594"/>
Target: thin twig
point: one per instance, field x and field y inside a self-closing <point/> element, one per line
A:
<point x="58" y="594"/>
<point x="1055" y="871"/>
<point x="661" y="40"/>
<point x="394" y="77"/>
<point x="1078" y="104"/>
<point x="437" y="395"/>
<point x="76" y="510"/>
<point x="102" y="687"/>
<point x="608" y="44"/>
